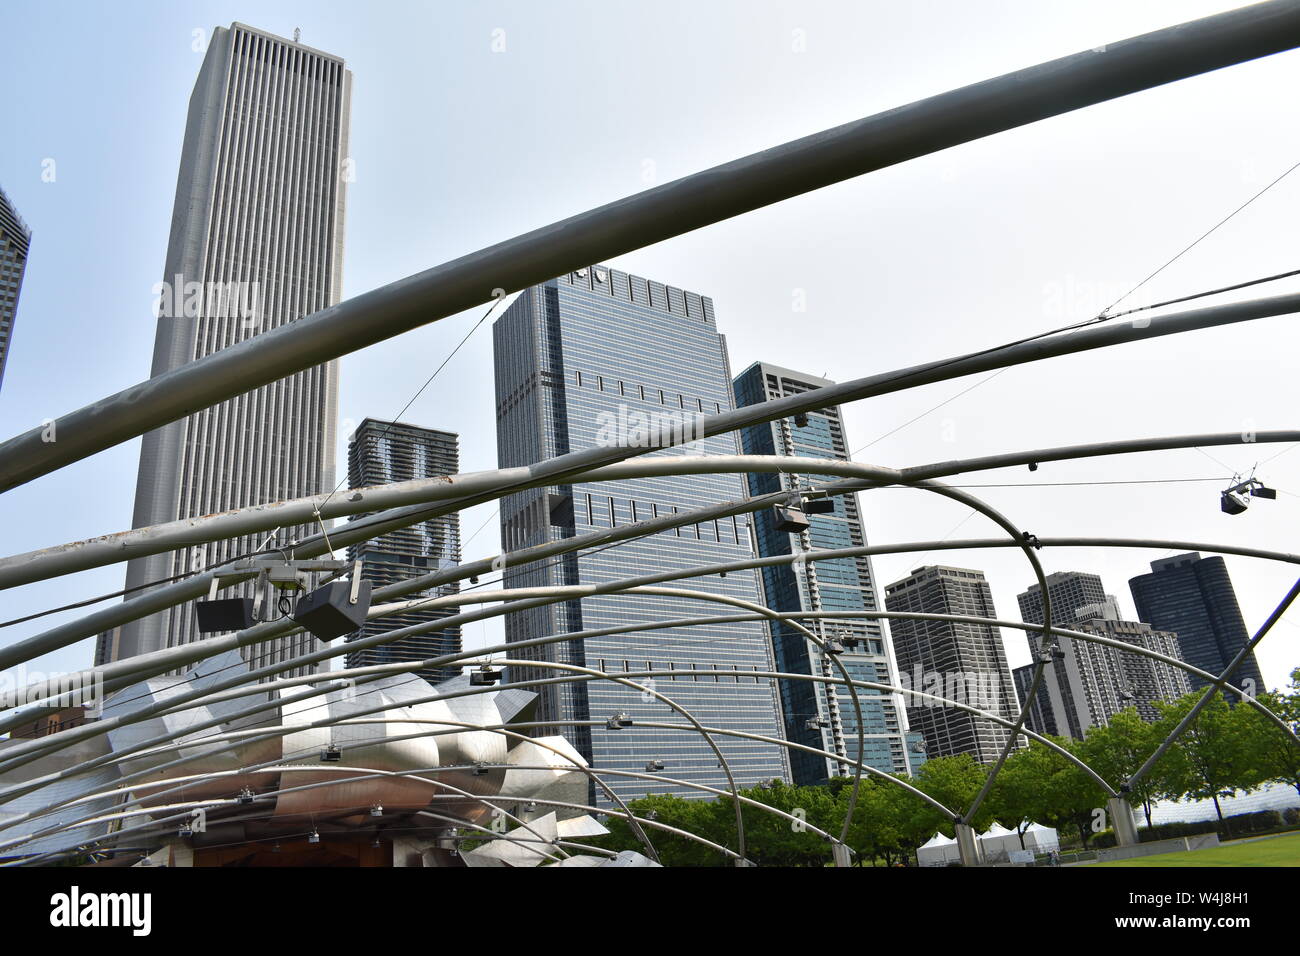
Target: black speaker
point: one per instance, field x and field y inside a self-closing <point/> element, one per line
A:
<point x="791" y="520"/>
<point x="224" y="614"/>
<point x="819" y="506"/>
<point x="328" y="613"/>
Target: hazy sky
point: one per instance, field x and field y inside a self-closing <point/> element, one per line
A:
<point x="474" y="122"/>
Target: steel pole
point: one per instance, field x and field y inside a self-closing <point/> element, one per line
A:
<point x="713" y="195"/>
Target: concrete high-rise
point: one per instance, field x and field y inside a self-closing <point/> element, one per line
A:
<point x="960" y="662"/>
<point x="256" y="242"/>
<point x="1193" y="597"/>
<point x="601" y="357"/>
<point x="15" y="240"/>
<point x="822" y="715"/>
<point x="1087" y="683"/>
<point x="380" y="453"/>
<point x="1070" y="592"/>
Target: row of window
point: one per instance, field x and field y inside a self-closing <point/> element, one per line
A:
<point x="643" y="392"/>
<point x="608" y="512"/>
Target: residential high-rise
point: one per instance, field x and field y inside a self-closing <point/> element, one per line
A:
<point x="602" y="357"/>
<point x="384" y="452"/>
<point x="960" y="662"/>
<point x="15" y="240"/>
<point x="256" y="242"/>
<point x="1193" y="597"/>
<point x="822" y="715"/>
<point x="1087" y="683"/>
<point x="1069" y="591"/>
<point x="1039" y="716"/>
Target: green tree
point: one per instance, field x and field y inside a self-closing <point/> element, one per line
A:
<point x="1274" y="755"/>
<point x="954" y="782"/>
<point x="1214" y="757"/>
<point x="1118" y="751"/>
<point x="1061" y="794"/>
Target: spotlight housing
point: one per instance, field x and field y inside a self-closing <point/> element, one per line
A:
<point x="336" y="609"/>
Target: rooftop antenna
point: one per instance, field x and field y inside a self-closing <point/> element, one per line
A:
<point x="296" y="34"/>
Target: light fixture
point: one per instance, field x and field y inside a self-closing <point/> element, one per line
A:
<point x="377" y="810"/>
<point x="185" y="830"/>
<point x="335" y="609"/>
<point x="816" y="723"/>
<point x="313" y="837"/>
<point x="800" y="419"/>
<point x="217" y="615"/>
<point x="618" y="721"/>
<point x="484" y="676"/>
<point x="331" y="754"/>
<point x="245" y="796"/>
<point x="480" y="768"/>
<point x="1236" y="497"/>
<point x="789" y="518"/>
<point x="654" y="766"/>
<point x="834" y="647"/>
<point x="819" y="506"/>
<point x="1233" y="502"/>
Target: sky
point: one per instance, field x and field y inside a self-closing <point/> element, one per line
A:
<point x="475" y="122"/>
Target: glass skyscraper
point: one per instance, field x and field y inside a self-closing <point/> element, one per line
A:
<point x="380" y="453"/>
<point x="256" y="242"/>
<point x="814" y="714"/>
<point x="15" y="239"/>
<point x="579" y="360"/>
<point x="1193" y="597"/>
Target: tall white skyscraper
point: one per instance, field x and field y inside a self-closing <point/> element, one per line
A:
<point x="256" y="242"/>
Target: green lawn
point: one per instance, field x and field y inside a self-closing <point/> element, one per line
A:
<point x="1270" y="851"/>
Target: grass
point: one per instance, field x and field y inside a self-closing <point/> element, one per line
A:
<point x="1269" y="851"/>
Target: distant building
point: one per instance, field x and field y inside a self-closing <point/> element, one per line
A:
<point x="1087" y="683"/>
<point x="961" y="662"/>
<point x="380" y="453"/>
<point x="1069" y="592"/>
<point x="15" y="239"/>
<point x="821" y="715"/>
<point x="1193" y="597"/>
<point x="256" y="243"/>
<point x="600" y="357"/>
<point x="1039" y="716"/>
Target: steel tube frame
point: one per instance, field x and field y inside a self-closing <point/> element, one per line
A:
<point x="926" y="126"/>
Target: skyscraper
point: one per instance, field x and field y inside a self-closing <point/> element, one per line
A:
<point x="1087" y="683"/>
<point x="256" y="242"/>
<point x="1070" y="593"/>
<point x="15" y="239"/>
<point x="816" y="714"/>
<point x="965" y="663"/>
<point x="1193" y="597"/>
<point x="591" y="358"/>
<point x="380" y="453"/>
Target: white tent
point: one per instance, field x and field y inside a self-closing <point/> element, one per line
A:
<point x="998" y="842"/>
<point x="939" y="850"/>
<point x="1041" y="839"/>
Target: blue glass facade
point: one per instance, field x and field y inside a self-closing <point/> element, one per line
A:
<point x="1193" y="597"/>
<point x="813" y="714"/>
<point x="580" y="360"/>
<point x="380" y="453"/>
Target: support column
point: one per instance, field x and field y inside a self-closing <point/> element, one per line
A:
<point x="1121" y="821"/>
<point x="967" y="845"/>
